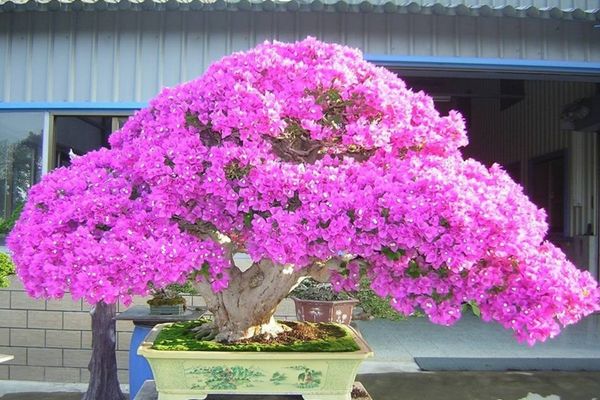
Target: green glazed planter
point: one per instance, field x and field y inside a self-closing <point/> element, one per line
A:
<point x="184" y="375"/>
<point x="176" y="309"/>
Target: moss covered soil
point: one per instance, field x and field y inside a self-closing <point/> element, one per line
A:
<point x="323" y="337"/>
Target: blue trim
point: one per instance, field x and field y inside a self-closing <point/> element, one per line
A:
<point x="487" y="64"/>
<point x="75" y="106"/>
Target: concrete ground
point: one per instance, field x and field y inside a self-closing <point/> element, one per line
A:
<point x="470" y="350"/>
<point x="439" y="386"/>
<point x="470" y="344"/>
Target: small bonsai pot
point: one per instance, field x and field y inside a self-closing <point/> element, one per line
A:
<point x="317" y="302"/>
<point x="339" y="311"/>
<point x="165" y="309"/>
<point x="166" y="302"/>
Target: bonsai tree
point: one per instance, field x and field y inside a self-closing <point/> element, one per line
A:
<point x="315" y="163"/>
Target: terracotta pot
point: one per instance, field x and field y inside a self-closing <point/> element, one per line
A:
<point x="339" y="311"/>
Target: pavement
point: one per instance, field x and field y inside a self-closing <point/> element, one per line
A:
<point x="473" y="345"/>
<point x="415" y="359"/>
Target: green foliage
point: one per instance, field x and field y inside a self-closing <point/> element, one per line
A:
<point x="179" y="337"/>
<point x="391" y="254"/>
<point x="309" y="289"/>
<point x="6" y="225"/>
<point x="413" y="269"/>
<point x="474" y="308"/>
<point x="186" y="288"/>
<point x="374" y="305"/>
<point x="6" y="268"/>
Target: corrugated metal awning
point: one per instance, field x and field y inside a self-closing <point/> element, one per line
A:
<point x="484" y="8"/>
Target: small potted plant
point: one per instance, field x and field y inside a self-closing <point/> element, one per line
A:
<point x="318" y="302"/>
<point x="166" y="301"/>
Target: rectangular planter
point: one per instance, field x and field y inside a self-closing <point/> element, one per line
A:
<point x="184" y="375"/>
<point x="176" y="309"/>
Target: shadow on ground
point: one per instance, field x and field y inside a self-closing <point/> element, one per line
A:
<point x="440" y="386"/>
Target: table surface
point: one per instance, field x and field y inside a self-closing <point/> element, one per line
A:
<point x="148" y="392"/>
<point x="141" y="315"/>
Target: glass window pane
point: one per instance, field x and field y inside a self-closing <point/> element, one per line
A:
<point x="20" y="157"/>
<point x="79" y="134"/>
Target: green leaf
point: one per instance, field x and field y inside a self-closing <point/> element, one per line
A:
<point x="473" y="307"/>
<point x="413" y="269"/>
<point x="248" y="217"/>
<point x="391" y="254"/>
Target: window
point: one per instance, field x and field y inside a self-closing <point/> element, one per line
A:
<point x="81" y="133"/>
<point x="20" y="157"/>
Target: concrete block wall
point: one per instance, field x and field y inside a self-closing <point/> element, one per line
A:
<point x="52" y="340"/>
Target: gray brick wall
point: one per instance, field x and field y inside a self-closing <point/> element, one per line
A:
<point x="51" y="340"/>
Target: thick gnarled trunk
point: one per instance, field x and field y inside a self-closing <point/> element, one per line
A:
<point x="104" y="384"/>
<point x="246" y="307"/>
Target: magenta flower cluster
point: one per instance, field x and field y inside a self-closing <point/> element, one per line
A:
<point x="300" y="153"/>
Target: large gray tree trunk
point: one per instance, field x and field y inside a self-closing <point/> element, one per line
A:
<point x="245" y="309"/>
<point x="104" y="383"/>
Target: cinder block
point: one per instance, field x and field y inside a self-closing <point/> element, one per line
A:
<point x="76" y="358"/>
<point x="13" y="318"/>
<point x="123" y="376"/>
<point x="63" y="339"/>
<point x="3" y="372"/>
<point x="285" y="309"/>
<point x="188" y="299"/>
<point x="20" y="354"/>
<point x="86" y="339"/>
<point x="26" y="373"/>
<point x="21" y="301"/>
<point x="66" y="304"/>
<point x="62" y="374"/>
<point x="4" y="337"/>
<point x="124" y="326"/>
<point x="123" y="340"/>
<point x="135" y="301"/>
<point x="5" y="299"/>
<point x="84" y="375"/>
<point x="77" y="321"/>
<point x="45" y="319"/>
<point x="122" y="359"/>
<point x="28" y="337"/>
<point x="198" y="301"/>
<point x="45" y="357"/>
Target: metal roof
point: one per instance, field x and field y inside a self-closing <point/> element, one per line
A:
<point x="560" y="9"/>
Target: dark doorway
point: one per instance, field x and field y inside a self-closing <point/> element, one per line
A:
<point x="546" y="188"/>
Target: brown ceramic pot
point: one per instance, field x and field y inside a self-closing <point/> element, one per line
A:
<point x="339" y="311"/>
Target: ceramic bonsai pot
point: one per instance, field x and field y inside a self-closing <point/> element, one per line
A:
<point x="175" y="309"/>
<point x="185" y="375"/>
<point x="338" y="311"/>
